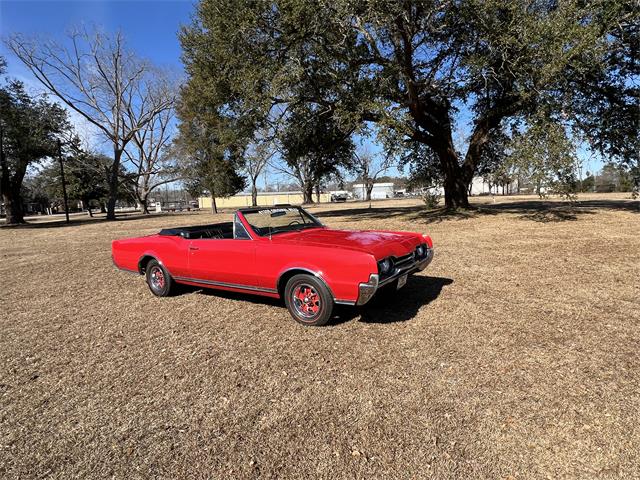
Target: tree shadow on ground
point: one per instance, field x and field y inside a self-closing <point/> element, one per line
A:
<point x="390" y="305"/>
<point x="76" y="221"/>
<point x="537" y="211"/>
<point x="387" y="306"/>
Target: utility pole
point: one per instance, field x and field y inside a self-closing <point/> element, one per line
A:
<point x="64" y="185"/>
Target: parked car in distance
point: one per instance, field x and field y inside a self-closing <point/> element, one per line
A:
<point x="281" y="252"/>
<point x="339" y="197"/>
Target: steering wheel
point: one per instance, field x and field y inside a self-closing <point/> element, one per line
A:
<point x="294" y="222"/>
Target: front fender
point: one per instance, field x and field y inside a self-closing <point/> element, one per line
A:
<point x="342" y="272"/>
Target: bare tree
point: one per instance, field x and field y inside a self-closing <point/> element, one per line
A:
<point x="256" y="158"/>
<point x="368" y="167"/>
<point x="149" y="152"/>
<point x="302" y="171"/>
<point x="100" y="80"/>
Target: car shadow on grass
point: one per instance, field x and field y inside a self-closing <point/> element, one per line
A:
<point x="390" y="305"/>
<point x="244" y="297"/>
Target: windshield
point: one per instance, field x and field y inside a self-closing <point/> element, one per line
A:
<point x="270" y="221"/>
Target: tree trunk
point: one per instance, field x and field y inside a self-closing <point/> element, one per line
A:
<point x="254" y="193"/>
<point x="369" y="189"/>
<point x="307" y="193"/>
<point x="318" y="193"/>
<point x="456" y="180"/>
<point x="144" y="204"/>
<point x="455" y="193"/>
<point x="113" y="184"/>
<point x="10" y="192"/>
<point x="214" y="206"/>
<point x="13" y="206"/>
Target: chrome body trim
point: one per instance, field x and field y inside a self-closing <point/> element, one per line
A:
<point x="319" y="277"/>
<point x="408" y="268"/>
<point x="368" y="289"/>
<point x="224" y="284"/>
<point x="427" y="260"/>
<point x="236" y="218"/>
<point x="126" y="270"/>
<point x="156" y="259"/>
<point x="343" y="302"/>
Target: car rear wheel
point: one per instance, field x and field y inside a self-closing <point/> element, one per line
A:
<point x="160" y="282"/>
<point x="308" y="300"/>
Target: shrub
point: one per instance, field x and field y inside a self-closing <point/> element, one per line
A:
<point x="431" y="199"/>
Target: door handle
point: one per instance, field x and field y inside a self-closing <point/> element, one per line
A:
<point x="191" y="247"/>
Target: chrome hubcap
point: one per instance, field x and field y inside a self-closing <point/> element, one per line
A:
<point x="306" y="301"/>
<point x="157" y="278"/>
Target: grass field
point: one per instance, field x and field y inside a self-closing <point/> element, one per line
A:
<point x="514" y="355"/>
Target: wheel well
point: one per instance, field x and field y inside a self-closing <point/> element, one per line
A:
<point x="284" y="278"/>
<point x="143" y="262"/>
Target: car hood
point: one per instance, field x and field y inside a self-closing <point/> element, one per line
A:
<point x="378" y="243"/>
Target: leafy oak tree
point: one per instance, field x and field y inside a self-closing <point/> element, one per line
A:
<point x="86" y="179"/>
<point x="544" y="155"/>
<point x="413" y="67"/>
<point x="29" y="132"/>
<point x="605" y="104"/>
<point x="207" y="163"/>
<point x="314" y="148"/>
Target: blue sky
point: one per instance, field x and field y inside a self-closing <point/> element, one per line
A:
<point x="150" y="27"/>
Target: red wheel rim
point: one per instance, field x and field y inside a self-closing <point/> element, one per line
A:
<point x="306" y="300"/>
<point x="157" y="278"/>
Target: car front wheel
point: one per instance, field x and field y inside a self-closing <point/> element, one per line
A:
<point x="308" y="300"/>
<point x="160" y="282"/>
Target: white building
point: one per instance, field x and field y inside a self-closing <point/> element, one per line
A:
<point x="380" y="191"/>
<point x="480" y="187"/>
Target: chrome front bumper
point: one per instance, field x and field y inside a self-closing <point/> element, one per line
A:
<point x="368" y="289"/>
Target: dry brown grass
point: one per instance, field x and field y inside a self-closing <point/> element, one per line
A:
<point x="515" y="355"/>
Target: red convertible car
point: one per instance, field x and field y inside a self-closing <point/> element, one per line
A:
<point x="282" y="252"/>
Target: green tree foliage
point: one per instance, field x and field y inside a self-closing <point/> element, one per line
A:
<point x="544" y="155"/>
<point x="606" y="90"/>
<point x="86" y="179"/>
<point x="314" y="148"/>
<point x="212" y="137"/>
<point x="29" y="130"/>
<point x="212" y="175"/>
<point x="614" y="178"/>
<point x="209" y="162"/>
<point x="409" y="66"/>
<point x="424" y="173"/>
<point x="588" y="183"/>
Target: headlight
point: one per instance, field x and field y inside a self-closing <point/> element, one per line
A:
<point x="385" y="266"/>
<point x="420" y="251"/>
